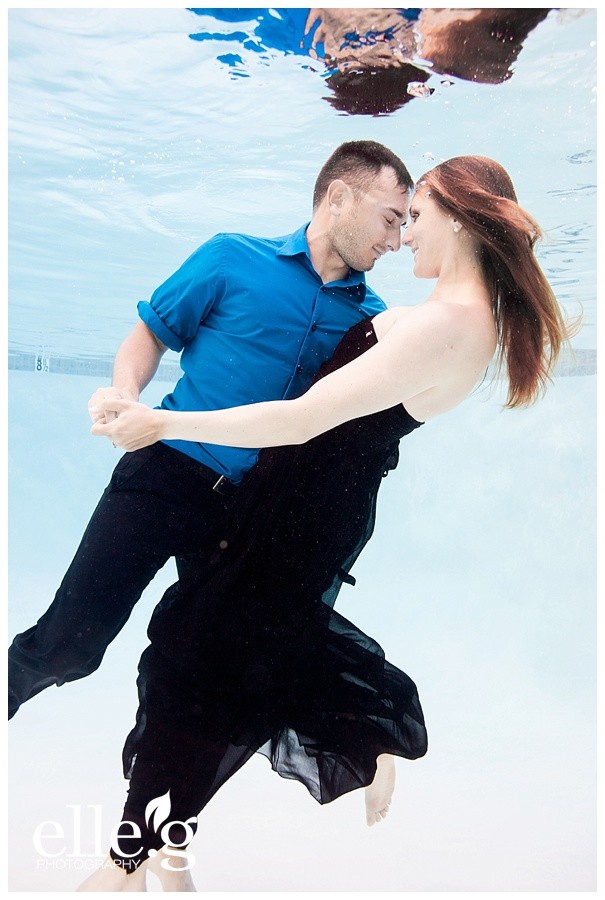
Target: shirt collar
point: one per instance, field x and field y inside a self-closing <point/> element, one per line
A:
<point x="296" y="243"/>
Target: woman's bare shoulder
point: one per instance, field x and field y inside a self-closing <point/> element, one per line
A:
<point x="384" y="321"/>
<point x="449" y="344"/>
<point x="432" y="313"/>
<point x="456" y="342"/>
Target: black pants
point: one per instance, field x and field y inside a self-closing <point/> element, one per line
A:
<point x="158" y="504"/>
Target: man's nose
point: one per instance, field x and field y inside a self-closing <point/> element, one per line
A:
<point x="394" y="241"/>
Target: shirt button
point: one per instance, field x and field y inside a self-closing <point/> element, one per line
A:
<point x="313" y="327"/>
<point x="299" y="369"/>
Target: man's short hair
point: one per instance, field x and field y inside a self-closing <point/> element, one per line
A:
<point x="358" y="163"/>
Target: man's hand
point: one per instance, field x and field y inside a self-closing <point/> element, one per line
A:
<point x="96" y="410"/>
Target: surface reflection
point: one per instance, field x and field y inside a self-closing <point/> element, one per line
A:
<point x="376" y="60"/>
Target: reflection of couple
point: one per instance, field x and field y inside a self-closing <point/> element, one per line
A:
<point x="381" y="58"/>
<point x="285" y="347"/>
<point x="377" y="59"/>
<point x="475" y="44"/>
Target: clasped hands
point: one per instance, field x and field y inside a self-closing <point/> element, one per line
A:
<point x="361" y="37"/>
<point x="125" y="422"/>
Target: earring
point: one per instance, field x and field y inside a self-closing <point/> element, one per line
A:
<point x="456" y="226"/>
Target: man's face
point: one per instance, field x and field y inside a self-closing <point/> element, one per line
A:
<point x="370" y="222"/>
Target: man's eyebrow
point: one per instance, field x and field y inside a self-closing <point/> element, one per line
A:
<point x="397" y="212"/>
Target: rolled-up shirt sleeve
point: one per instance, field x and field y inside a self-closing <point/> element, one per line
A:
<point x="178" y="306"/>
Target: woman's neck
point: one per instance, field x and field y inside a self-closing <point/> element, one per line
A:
<point x="461" y="280"/>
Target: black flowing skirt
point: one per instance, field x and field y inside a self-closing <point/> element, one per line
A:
<point x="247" y="652"/>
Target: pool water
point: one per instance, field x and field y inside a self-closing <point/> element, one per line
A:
<point x="135" y="135"/>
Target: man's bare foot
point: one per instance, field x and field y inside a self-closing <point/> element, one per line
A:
<point x="172" y="875"/>
<point x="113" y="878"/>
<point x="380" y="792"/>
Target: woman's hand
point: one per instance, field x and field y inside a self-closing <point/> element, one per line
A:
<point x="134" y="426"/>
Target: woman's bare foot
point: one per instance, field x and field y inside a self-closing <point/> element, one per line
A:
<point x="110" y="877"/>
<point x="175" y="877"/>
<point x="380" y="792"/>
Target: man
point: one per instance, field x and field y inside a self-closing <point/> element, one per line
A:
<point x="254" y="319"/>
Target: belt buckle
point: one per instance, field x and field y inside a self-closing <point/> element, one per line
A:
<point x="221" y="486"/>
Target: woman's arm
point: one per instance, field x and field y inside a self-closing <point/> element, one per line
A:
<point x="412" y="357"/>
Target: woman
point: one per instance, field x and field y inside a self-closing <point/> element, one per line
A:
<point x="251" y="656"/>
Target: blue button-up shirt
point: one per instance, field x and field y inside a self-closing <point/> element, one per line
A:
<point x="253" y="321"/>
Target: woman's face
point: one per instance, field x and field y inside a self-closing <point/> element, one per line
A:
<point x="430" y="234"/>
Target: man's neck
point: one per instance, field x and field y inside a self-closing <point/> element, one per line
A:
<point x="324" y="259"/>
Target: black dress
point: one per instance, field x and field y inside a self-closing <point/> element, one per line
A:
<point x="247" y="653"/>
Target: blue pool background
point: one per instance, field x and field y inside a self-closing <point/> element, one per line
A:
<point x="129" y="144"/>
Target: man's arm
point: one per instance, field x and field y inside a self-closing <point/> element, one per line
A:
<point x="135" y="364"/>
<point x="137" y="360"/>
<point x="427" y="348"/>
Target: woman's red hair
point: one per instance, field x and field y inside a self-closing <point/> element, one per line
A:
<point x="479" y="193"/>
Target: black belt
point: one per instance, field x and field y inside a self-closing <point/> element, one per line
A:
<point x="220" y="483"/>
<point x="224" y="486"/>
